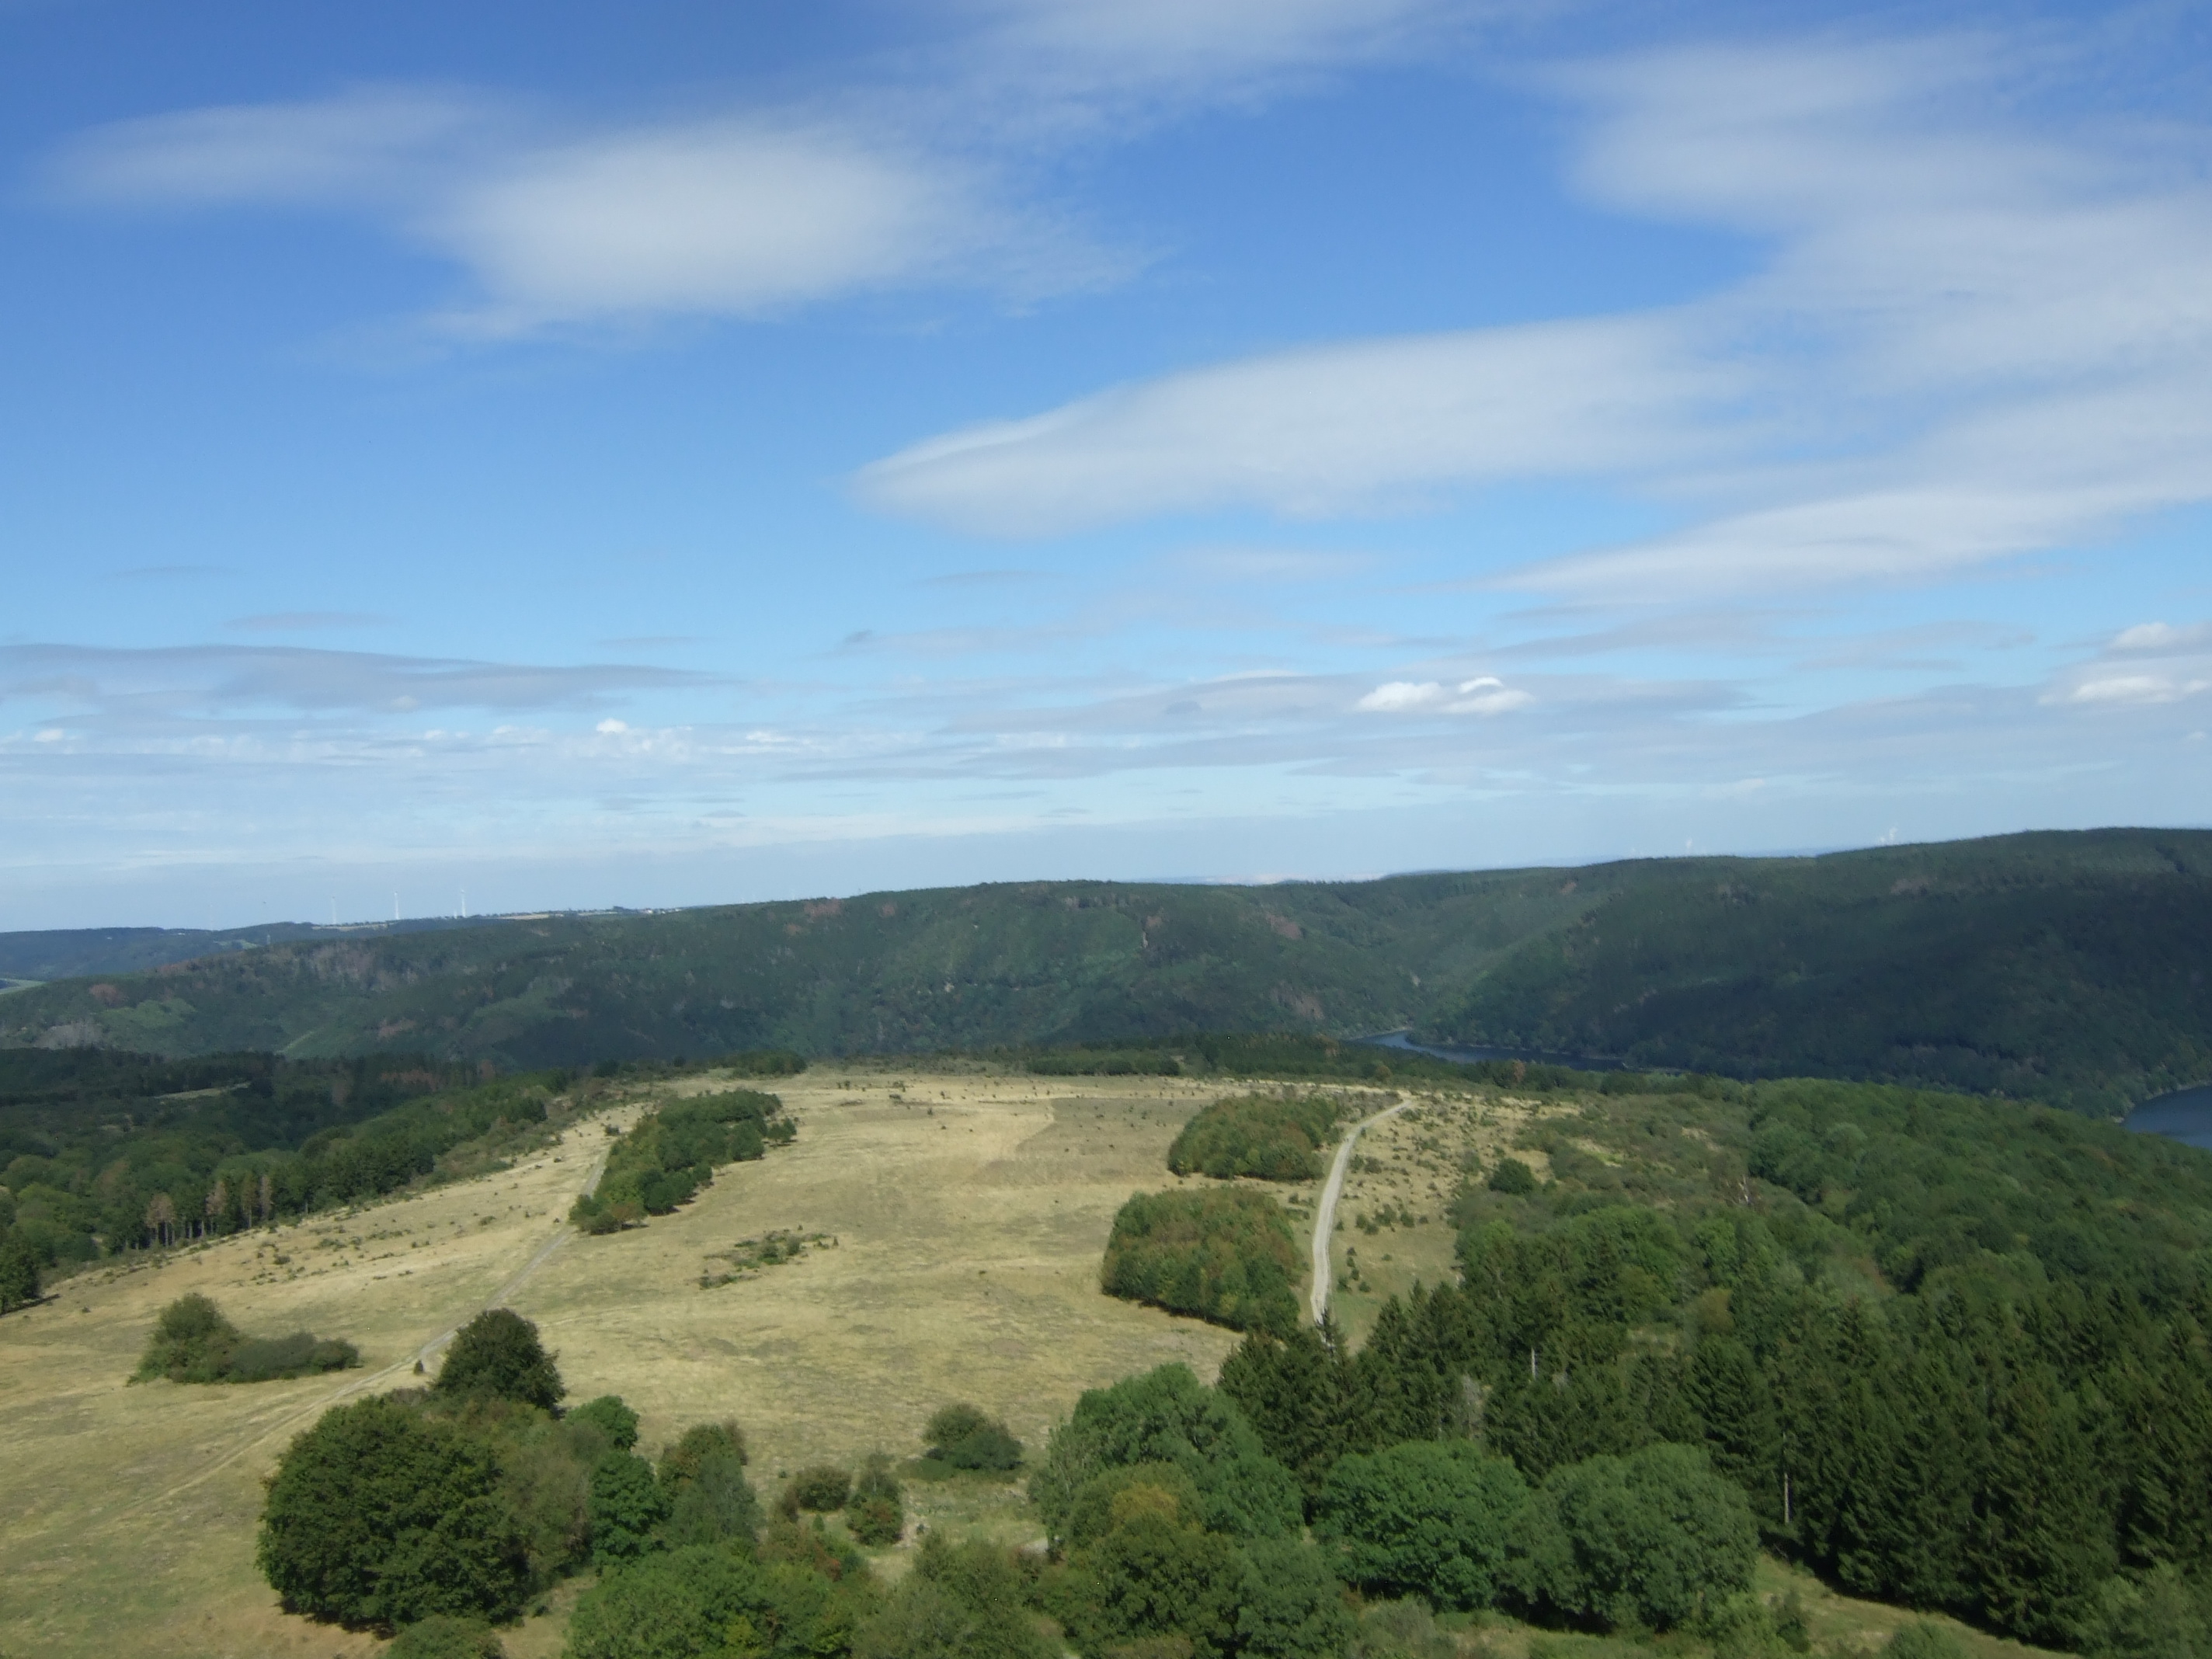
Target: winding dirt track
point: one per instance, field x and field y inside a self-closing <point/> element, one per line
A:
<point x="1325" y="1212"/>
<point x="562" y="1231"/>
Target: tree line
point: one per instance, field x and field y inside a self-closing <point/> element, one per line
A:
<point x="674" y="1150"/>
<point x="1952" y="1352"/>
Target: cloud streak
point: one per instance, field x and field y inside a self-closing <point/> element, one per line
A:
<point x="1964" y="344"/>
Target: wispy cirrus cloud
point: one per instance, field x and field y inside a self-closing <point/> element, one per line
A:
<point x="185" y="682"/>
<point x="741" y="214"/>
<point x="912" y="176"/>
<point x="1964" y="343"/>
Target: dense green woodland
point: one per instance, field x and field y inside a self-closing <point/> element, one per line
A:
<point x="1952" y="1352"/>
<point x="2062" y="967"/>
<point x="101" y="1153"/>
<point x="674" y="1150"/>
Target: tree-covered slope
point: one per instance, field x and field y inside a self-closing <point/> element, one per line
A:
<point x="1012" y="963"/>
<point x="2069" y="967"/>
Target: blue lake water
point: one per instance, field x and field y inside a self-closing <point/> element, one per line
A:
<point x="2185" y="1115"/>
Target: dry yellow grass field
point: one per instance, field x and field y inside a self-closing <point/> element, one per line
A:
<point x="969" y="1211"/>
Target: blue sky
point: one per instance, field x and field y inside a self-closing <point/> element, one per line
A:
<point x="673" y="454"/>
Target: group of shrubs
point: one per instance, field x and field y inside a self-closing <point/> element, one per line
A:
<point x="1170" y="1524"/>
<point x="441" y="1512"/>
<point x="1269" y="1137"/>
<point x="674" y="1151"/>
<point x="192" y="1342"/>
<point x="1224" y="1253"/>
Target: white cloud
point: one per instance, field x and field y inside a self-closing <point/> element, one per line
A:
<point x="2134" y="688"/>
<point x="368" y="143"/>
<point x="1395" y="694"/>
<point x="721" y="216"/>
<point x="154" y="686"/>
<point x="1963" y="344"/>
<point x="2160" y="637"/>
<point x="1484" y="695"/>
<point x="1328" y="430"/>
<point x="1070" y="55"/>
<point x="731" y="218"/>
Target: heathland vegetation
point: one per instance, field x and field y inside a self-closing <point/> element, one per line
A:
<point x="2057" y="967"/>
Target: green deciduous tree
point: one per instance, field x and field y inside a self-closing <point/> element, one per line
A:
<point x="19" y="1274"/>
<point x="1167" y="1416"/>
<point x="1426" y="1518"/>
<point x="1653" y="1539"/>
<point x="626" y="1506"/>
<point x="377" y="1516"/>
<point x="960" y="1601"/>
<point x="614" y="1419"/>
<point x="1292" y="1606"/>
<point x="498" y="1354"/>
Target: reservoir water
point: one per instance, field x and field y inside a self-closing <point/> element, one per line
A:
<point x="2185" y="1115"/>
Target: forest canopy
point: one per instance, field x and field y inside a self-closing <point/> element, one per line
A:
<point x="1271" y="1136"/>
<point x="1222" y="1254"/>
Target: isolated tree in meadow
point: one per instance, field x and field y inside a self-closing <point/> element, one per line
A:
<point x="191" y="1342"/>
<point x="963" y="1436"/>
<point x="379" y="1516"/>
<point x="498" y="1354"/>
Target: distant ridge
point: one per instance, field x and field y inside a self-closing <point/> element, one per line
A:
<point x="2071" y="966"/>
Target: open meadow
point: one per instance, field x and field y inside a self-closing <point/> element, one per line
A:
<point x="962" y="1219"/>
<point x="952" y="1223"/>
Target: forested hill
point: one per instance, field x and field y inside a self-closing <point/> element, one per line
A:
<point x="2068" y="967"/>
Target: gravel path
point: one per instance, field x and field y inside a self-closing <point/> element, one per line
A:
<point x="1325" y="1212"/>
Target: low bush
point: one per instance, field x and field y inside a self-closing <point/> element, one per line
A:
<point x="1224" y="1255"/>
<point x="820" y="1488"/>
<point x="700" y="1600"/>
<point x="1512" y="1177"/>
<point x="876" y="1512"/>
<point x="961" y="1437"/>
<point x="1168" y="1416"/>
<point x="960" y="1601"/>
<point x="1261" y="1135"/>
<point x="192" y="1342"/>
